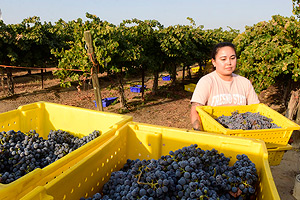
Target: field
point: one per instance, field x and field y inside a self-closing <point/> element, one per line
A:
<point x="169" y="107"/>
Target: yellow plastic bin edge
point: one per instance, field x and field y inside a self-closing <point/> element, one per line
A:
<point x="42" y="104"/>
<point x="207" y="116"/>
<point x="6" y="190"/>
<point x="265" y="165"/>
<point x="293" y="125"/>
<point x="42" y="194"/>
<point x="276" y="152"/>
<point x="30" y="106"/>
<point x="274" y="147"/>
<point x="37" y="175"/>
<point x="211" y="125"/>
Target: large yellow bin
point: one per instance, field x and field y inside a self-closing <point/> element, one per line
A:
<point x="276" y="139"/>
<point x="144" y="141"/>
<point x="281" y="136"/>
<point x="43" y="117"/>
<point x="276" y="152"/>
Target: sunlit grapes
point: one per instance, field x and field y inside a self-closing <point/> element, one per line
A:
<point x="187" y="173"/>
<point x="246" y="121"/>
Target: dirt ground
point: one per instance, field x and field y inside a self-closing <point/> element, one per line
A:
<point x="170" y="106"/>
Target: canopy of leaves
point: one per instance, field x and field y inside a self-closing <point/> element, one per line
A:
<point x="29" y="43"/>
<point x="270" y="50"/>
<point x="132" y="45"/>
<point x="296" y="8"/>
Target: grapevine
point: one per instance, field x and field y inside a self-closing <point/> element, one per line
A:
<point x="269" y="51"/>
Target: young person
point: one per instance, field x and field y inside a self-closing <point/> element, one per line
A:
<point x="222" y="87"/>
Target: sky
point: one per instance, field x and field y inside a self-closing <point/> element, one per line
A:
<point x="210" y="13"/>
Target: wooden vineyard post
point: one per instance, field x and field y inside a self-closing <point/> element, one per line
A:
<point x="2" y="79"/>
<point x="293" y="105"/>
<point x="143" y="83"/>
<point x="10" y="82"/>
<point x="293" y="112"/>
<point x="189" y="75"/>
<point x="183" y="73"/>
<point x="94" y="71"/>
<point x="42" y="76"/>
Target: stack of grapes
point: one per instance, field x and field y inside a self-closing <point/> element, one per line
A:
<point x="246" y="121"/>
<point x="21" y="153"/>
<point x="187" y="173"/>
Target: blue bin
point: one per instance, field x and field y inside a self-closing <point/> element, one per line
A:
<point x="137" y="88"/>
<point x="106" y="101"/>
<point x="166" y="78"/>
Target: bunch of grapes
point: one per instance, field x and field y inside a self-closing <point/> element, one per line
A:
<point x="246" y="121"/>
<point x="21" y="153"/>
<point x="187" y="173"/>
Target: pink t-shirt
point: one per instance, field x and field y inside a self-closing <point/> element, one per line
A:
<point x="211" y="90"/>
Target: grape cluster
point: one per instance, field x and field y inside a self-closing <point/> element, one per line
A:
<point x="21" y="153"/>
<point x="187" y="173"/>
<point x="246" y="121"/>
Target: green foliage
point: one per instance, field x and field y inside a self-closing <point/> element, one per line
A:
<point x="144" y="40"/>
<point x="214" y="36"/>
<point x="267" y="51"/>
<point x="270" y="50"/>
<point x="129" y="47"/>
<point x="72" y="57"/>
<point x="296" y="8"/>
<point x="29" y="43"/>
<point x="184" y="44"/>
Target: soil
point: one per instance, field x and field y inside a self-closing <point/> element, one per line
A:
<point x="168" y="107"/>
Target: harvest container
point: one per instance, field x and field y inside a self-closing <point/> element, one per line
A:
<point x="136" y="88"/>
<point x="107" y="101"/>
<point x="190" y="87"/>
<point x="43" y="117"/>
<point x="195" y="69"/>
<point x="208" y="114"/>
<point x="166" y="78"/>
<point x="276" y="152"/>
<point x="144" y="141"/>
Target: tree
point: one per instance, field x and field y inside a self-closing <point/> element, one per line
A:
<point x="296" y="8"/>
<point x="145" y="35"/>
<point x="269" y="51"/>
<point x="28" y="44"/>
<point x="176" y="44"/>
<point x="116" y="52"/>
<point x="73" y="62"/>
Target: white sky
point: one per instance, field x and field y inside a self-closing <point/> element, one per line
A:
<point x="210" y="13"/>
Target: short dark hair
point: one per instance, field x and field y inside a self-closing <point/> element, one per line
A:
<point x="220" y="45"/>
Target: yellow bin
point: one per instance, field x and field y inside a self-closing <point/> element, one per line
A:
<point x="208" y="114"/>
<point x="276" y="152"/>
<point x="144" y="141"/>
<point x="195" y="69"/>
<point x="190" y="87"/>
<point x="43" y="117"/>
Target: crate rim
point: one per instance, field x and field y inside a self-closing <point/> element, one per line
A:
<point x="42" y="189"/>
<point x="234" y="131"/>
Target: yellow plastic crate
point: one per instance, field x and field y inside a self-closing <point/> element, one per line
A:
<point x="43" y="117"/>
<point x="144" y="141"/>
<point x="208" y="114"/>
<point x="190" y="87"/>
<point x="195" y="69"/>
<point x="276" y="152"/>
